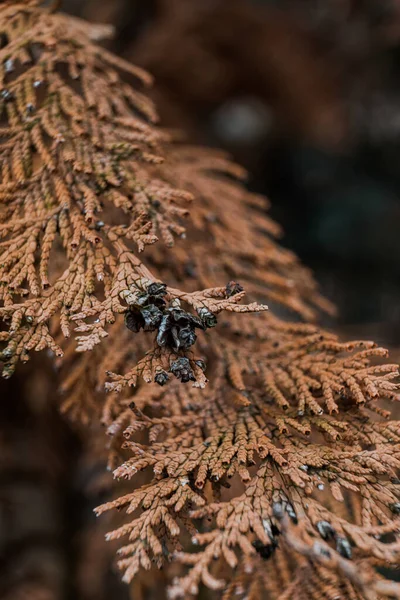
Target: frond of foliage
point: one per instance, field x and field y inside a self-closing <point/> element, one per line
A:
<point x="280" y="478"/>
<point x="80" y="198"/>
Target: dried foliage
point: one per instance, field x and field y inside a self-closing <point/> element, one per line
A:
<point x="289" y="454"/>
<point x="78" y="195"/>
<point x="285" y="446"/>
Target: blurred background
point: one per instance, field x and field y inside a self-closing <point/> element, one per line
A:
<point x="305" y="94"/>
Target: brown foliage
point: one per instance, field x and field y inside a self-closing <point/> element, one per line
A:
<point x="79" y="196"/>
<point x="291" y="445"/>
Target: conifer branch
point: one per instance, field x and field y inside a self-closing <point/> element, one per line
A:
<point x="290" y="454"/>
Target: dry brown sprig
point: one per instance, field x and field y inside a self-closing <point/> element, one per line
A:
<point x="296" y="457"/>
<point x="296" y="577"/>
<point x="288" y="417"/>
<point x="208" y="437"/>
<point x="78" y="189"/>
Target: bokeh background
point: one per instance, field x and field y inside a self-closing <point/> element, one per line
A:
<point x="305" y="94"/>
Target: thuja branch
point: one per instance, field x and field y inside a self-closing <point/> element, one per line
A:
<point x="78" y="196"/>
<point x="296" y="419"/>
<point x="300" y="413"/>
